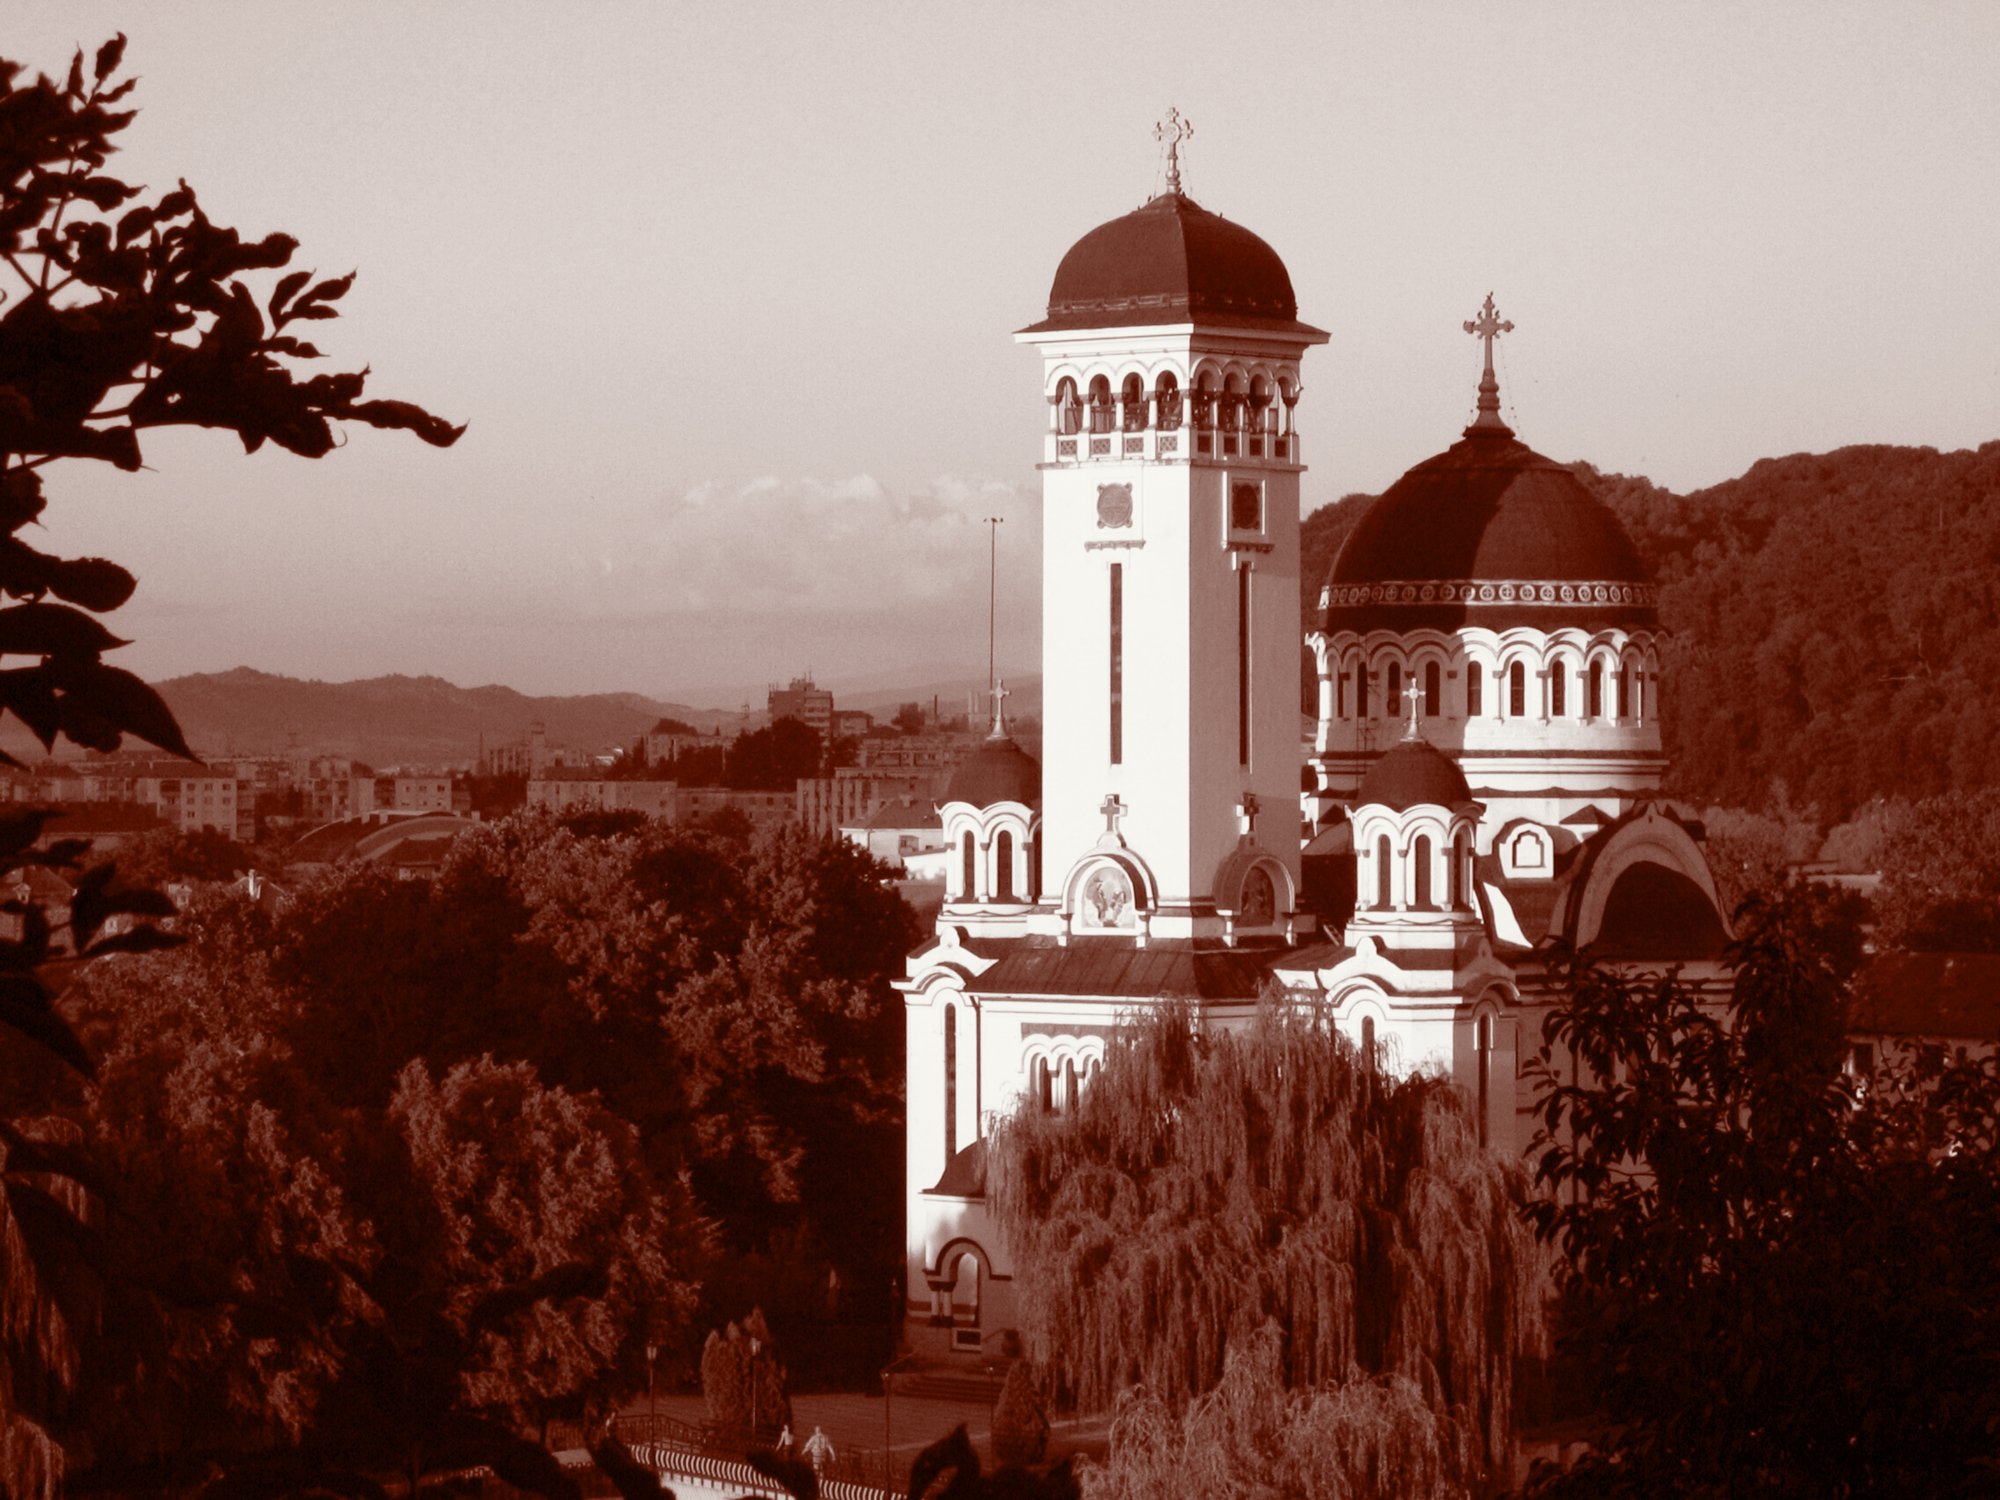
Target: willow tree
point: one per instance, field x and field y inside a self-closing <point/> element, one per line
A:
<point x="1210" y="1185"/>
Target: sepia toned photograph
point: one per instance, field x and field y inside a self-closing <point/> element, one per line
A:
<point x="876" y="750"/>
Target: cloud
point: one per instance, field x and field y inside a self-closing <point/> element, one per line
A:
<point x="818" y="547"/>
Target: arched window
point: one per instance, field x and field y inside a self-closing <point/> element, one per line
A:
<point x="965" y="1291"/>
<point x="1340" y="695"/>
<point x="1003" y="867"/>
<point x="1517" y="691"/>
<point x="1167" y="395"/>
<point x="1624" y="688"/>
<point x="1420" y="873"/>
<point x="1475" y="685"/>
<point x="1433" y="689"/>
<point x="1384" y="891"/>
<point x="1456" y="874"/>
<point x="1069" y="1085"/>
<point x="1069" y="408"/>
<point x="968" y="869"/>
<point x="1100" y="404"/>
<point x="950" y="1081"/>
<point x="1040" y="1085"/>
<point x="1368" y="1043"/>
<point x="1558" y="679"/>
<point x="1132" y="397"/>
<point x="1034" y="866"/>
<point x="1594" y="692"/>
<point x="1392" y="701"/>
<point x="1361" y="691"/>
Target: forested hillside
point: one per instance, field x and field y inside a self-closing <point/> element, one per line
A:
<point x="1834" y="630"/>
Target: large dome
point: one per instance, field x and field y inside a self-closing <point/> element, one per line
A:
<point x="1170" y="262"/>
<point x="1490" y="533"/>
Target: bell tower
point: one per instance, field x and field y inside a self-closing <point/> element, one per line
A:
<point x="1170" y="578"/>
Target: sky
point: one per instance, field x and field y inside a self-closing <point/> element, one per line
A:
<point x="726" y="292"/>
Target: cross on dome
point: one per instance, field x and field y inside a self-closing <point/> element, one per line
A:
<point x="1113" y="810"/>
<point x="1173" y="130"/>
<point x="998" y="693"/>
<point x="1415" y="695"/>
<point x="1487" y="327"/>
<point x="1247" y="811"/>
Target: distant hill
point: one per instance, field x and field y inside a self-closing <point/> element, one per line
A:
<point x="1835" y="636"/>
<point x="396" y="720"/>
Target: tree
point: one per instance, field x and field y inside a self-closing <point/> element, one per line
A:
<point x="1780" y="1279"/>
<point x="112" y="326"/>
<point x="910" y="718"/>
<point x="1020" y="1428"/>
<point x="1941" y="874"/>
<point x="773" y="759"/>
<point x="1208" y="1183"/>
<point x="743" y="1381"/>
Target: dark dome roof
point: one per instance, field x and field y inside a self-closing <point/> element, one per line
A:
<point x="1488" y="533"/>
<point x="1170" y="262"/>
<point x="1000" y="771"/>
<point x="1413" y="773"/>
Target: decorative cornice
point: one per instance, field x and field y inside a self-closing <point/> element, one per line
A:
<point x="1487" y="591"/>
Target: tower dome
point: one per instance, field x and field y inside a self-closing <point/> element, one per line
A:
<point x="1171" y="261"/>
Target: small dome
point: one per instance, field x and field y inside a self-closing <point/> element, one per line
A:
<point x="1000" y="771"/>
<point x="1490" y="533"/>
<point x="1413" y="773"/>
<point x="1170" y="262"/>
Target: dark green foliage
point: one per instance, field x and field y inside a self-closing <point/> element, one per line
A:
<point x="743" y="1381"/>
<point x="1801" y="1295"/>
<point x="773" y="759"/>
<point x="950" y="1470"/>
<point x="1020" y="1428"/>
<point x="415" y="1163"/>
<point x="1209" y="1183"/>
<point x="1940" y="863"/>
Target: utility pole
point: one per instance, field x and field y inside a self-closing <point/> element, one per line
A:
<point x="992" y="580"/>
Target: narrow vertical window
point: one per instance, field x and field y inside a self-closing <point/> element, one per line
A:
<point x="1392" y="701"/>
<point x="1243" y="666"/>
<point x="968" y="870"/>
<point x="1594" y="696"/>
<point x="1003" y="867"/>
<point x="1456" y="874"/>
<point x="1624" y="689"/>
<point x="1117" y="663"/>
<point x="1517" y="691"/>
<point x="1475" y="685"/>
<point x="1384" y="893"/>
<point x="1485" y="1050"/>
<point x="1069" y="1085"/>
<point x="1361" y="691"/>
<point x="1042" y="1099"/>
<point x="1557" y="678"/>
<point x="1421" y="873"/>
<point x="950" y="1082"/>
<point x="1433" y="689"/>
<point x="1340" y="695"/>
<point x="1368" y="1043"/>
<point x="1034" y="866"/>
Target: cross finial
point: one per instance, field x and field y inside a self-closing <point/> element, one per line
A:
<point x="1173" y="130"/>
<point x="1487" y="327"/>
<point x="999" y="693"/>
<point x="1113" y="810"/>
<point x="1415" y="695"/>
<point x="1247" y="810"/>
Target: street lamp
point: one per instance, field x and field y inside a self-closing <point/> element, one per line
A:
<point x="754" y="1347"/>
<point x="652" y="1405"/>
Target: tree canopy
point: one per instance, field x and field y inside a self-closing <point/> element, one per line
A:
<point x="1209" y="1184"/>
<point x="1796" y="1293"/>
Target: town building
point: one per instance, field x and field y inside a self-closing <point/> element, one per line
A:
<point x="800" y="699"/>
<point x="1484" y="772"/>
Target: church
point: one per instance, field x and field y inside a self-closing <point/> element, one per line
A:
<point x="1482" y="779"/>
